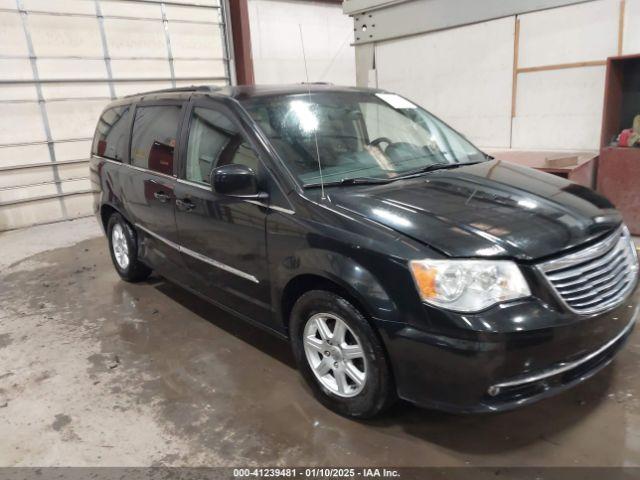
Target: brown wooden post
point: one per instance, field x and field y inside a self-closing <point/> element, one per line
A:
<point x="241" y="35"/>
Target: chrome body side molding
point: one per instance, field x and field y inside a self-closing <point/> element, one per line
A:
<point x="200" y="257"/>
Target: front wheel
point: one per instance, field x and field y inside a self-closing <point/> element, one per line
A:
<point x="340" y="356"/>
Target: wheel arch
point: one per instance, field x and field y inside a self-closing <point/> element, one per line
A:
<point x="106" y="211"/>
<point x="300" y="284"/>
<point x="306" y="282"/>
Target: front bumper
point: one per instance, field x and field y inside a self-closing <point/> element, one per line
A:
<point x="488" y="372"/>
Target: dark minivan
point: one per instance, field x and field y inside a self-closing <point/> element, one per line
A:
<point x="397" y="258"/>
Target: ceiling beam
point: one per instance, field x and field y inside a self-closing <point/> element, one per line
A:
<point x="376" y="20"/>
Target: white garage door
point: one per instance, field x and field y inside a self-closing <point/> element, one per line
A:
<point x="61" y="61"/>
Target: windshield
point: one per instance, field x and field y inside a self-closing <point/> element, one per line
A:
<point x="357" y="135"/>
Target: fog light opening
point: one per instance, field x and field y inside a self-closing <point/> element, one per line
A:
<point x="493" y="391"/>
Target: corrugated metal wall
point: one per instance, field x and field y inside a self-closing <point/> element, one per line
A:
<point x="61" y="61"/>
<point x="529" y="82"/>
<point x="276" y="47"/>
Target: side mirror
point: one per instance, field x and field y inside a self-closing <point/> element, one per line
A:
<point x="236" y="180"/>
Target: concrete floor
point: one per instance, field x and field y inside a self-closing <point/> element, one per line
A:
<point x="95" y="371"/>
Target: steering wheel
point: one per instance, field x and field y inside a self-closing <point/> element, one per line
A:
<point x="379" y="140"/>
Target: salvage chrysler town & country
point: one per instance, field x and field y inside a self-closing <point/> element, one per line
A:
<point x="399" y="260"/>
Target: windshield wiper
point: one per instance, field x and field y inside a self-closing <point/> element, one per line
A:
<point x="351" y="181"/>
<point x="432" y="167"/>
<point x="372" y="180"/>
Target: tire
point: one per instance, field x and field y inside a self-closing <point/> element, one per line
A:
<point x="377" y="391"/>
<point x="125" y="242"/>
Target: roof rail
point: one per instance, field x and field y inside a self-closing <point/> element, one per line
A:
<point x="192" y="88"/>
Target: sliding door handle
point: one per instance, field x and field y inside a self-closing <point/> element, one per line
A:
<point x="163" y="197"/>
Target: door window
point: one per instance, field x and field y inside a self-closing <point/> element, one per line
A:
<point x="215" y="141"/>
<point x="153" y="140"/>
<point x="110" y="140"/>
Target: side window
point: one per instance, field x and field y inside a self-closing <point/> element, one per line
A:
<point x="215" y="141"/>
<point x="110" y="140"/>
<point x="153" y="140"/>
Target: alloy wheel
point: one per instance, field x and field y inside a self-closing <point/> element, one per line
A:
<point x="335" y="354"/>
<point x="120" y="246"/>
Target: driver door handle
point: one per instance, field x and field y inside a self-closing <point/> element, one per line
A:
<point x="185" y="204"/>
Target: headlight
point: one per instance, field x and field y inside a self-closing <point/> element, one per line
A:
<point x="468" y="285"/>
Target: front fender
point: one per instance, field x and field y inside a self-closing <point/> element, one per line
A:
<point x="345" y="272"/>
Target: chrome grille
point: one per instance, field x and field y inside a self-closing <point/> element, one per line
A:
<point x="597" y="278"/>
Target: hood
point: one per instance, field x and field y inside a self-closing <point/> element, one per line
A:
<point x="491" y="209"/>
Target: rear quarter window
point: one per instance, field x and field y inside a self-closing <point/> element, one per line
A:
<point x="110" y="139"/>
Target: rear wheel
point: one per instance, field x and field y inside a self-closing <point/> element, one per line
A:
<point x="123" y="245"/>
<point x="340" y="356"/>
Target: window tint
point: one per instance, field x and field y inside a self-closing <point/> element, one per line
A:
<point x="153" y="140"/>
<point x="110" y="140"/>
<point x="215" y="141"/>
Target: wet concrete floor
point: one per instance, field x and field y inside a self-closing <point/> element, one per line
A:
<point x="96" y="371"/>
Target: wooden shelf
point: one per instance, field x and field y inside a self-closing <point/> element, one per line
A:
<point x="623" y="150"/>
<point x="619" y="167"/>
<point x="582" y="172"/>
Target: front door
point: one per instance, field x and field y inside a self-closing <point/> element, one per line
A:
<point x="222" y="238"/>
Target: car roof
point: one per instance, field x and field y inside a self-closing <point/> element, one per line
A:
<point x="242" y="92"/>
